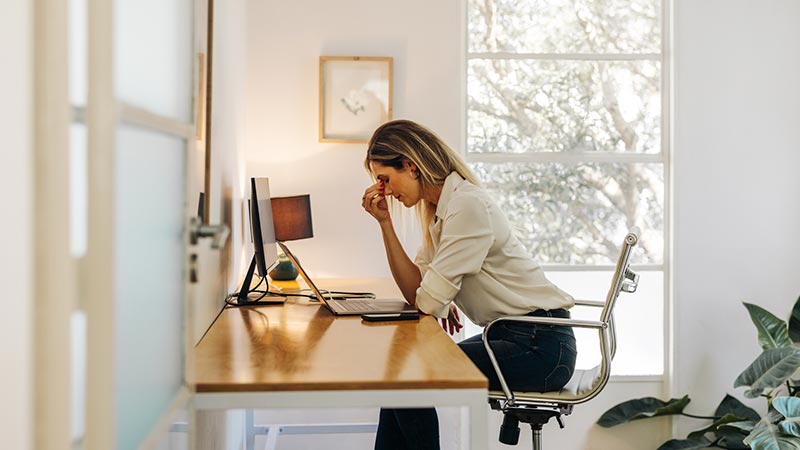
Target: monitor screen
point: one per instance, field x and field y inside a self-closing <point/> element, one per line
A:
<point x="261" y="226"/>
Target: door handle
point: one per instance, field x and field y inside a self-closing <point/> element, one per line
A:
<point x="218" y="233"/>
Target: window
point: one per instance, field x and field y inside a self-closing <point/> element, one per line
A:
<point x="566" y="127"/>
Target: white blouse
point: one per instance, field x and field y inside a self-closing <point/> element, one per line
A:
<point x="478" y="263"/>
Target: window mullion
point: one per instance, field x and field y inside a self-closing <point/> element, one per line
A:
<point x="566" y="158"/>
<point x="566" y="56"/>
<point x="598" y="267"/>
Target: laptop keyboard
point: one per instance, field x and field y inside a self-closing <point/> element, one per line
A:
<point x="356" y="305"/>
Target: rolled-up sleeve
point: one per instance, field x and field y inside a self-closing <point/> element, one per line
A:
<point x="465" y="241"/>
<point x="423" y="259"/>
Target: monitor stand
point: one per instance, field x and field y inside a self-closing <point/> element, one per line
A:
<point x="245" y="290"/>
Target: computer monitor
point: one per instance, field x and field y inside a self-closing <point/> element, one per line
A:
<point x="262" y="232"/>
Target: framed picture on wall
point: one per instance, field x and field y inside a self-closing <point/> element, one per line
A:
<point x="355" y="97"/>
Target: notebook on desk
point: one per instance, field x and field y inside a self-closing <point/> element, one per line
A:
<point x="350" y="307"/>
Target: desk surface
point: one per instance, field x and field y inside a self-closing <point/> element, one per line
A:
<point x="301" y="346"/>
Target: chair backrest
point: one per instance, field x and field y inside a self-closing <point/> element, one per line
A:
<point x="586" y="384"/>
<point x="624" y="279"/>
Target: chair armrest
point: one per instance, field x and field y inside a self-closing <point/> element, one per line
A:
<point x="549" y="321"/>
<point x="596" y="303"/>
<point x="603" y="326"/>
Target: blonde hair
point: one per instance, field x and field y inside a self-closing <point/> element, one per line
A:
<point x="398" y="141"/>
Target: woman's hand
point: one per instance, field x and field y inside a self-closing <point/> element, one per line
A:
<point x="374" y="202"/>
<point x="453" y="322"/>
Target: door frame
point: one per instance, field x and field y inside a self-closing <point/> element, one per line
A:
<point x="55" y="277"/>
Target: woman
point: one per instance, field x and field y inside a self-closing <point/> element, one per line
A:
<point x="470" y="258"/>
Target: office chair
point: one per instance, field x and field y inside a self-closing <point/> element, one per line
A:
<point x="537" y="408"/>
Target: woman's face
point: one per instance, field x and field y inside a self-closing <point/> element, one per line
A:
<point x="402" y="184"/>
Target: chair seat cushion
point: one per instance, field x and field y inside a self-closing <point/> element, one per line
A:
<point x="582" y="381"/>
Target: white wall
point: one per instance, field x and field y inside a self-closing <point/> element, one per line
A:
<point x="227" y="188"/>
<point x="219" y="271"/>
<point x="228" y="129"/>
<point x="285" y="41"/>
<point x="16" y="182"/>
<point x="737" y="189"/>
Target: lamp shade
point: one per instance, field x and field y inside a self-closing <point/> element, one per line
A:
<point x="292" y="217"/>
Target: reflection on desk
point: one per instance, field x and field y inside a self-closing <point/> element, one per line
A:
<point x="300" y="346"/>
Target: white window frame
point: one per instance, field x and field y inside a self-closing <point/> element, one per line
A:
<point x="664" y="157"/>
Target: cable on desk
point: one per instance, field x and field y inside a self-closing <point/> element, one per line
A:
<point x="340" y="295"/>
<point x="252" y="302"/>
<point x="263" y="294"/>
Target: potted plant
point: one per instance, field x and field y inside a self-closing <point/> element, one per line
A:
<point x="734" y="425"/>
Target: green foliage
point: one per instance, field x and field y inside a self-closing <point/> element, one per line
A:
<point x="732" y="433"/>
<point x="730" y="405"/>
<point x="684" y="444"/>
<point x="789" y="408"/>
<point x="724" y="420"/>
<point x="769" y="370"/>
<point x="794" y="323"/>
<point x="642" y="408"/>
<point x="745" y="425"/>
<point x="772" y="332"/>
<point x="767" y="436"/>
<point x="735" y="426"/>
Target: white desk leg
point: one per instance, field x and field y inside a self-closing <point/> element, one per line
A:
<point x="249" y="430"/>
<point x="272" y="438"/>
<point x="479" y="423"/>
<point x="219" y="429"/>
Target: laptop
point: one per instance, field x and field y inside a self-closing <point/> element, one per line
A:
<point x="350" y="307"/>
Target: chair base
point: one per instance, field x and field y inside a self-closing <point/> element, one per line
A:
<point x="534" y="415"/>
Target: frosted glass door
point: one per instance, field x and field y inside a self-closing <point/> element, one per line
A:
<point x="149" y="264"/>
<point x="154" y="82"/>
<point x="154" y="55"/>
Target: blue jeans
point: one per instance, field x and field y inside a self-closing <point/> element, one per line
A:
<point x="533" y="357"/>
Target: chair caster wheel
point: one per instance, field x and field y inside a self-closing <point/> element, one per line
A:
<point x="509" y="431"/>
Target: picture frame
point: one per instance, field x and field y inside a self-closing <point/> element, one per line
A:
<point x="355" y="97"/>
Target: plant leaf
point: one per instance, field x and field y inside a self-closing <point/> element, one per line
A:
<point x="767" y="436"/>
<point x="684" y="444"/>
<point x="731" y="437"/>
<point x="794" y="322"/>
<point x="789" y="407"/>
<point x="772" y="331"/>
<point x="732" y="434"/>
<point x="745" y="426"/>
<point x="770" y="369"/>
<point x="727" y="418"/>
<point x="731" y="405"/>
<point x="641" y="408"/>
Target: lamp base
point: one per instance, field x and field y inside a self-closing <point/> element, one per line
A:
<point x="284" y="270"/>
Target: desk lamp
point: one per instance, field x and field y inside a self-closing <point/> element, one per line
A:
<point x="292" y="219"/>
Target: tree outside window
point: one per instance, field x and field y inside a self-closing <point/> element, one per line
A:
<point x="565" y="106"/>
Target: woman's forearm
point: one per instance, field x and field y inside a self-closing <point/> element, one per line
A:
<point x="404" y="271"/>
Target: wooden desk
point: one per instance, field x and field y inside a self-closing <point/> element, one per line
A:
<point x="299" y="355"/>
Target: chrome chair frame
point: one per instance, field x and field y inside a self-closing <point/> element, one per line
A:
<point x="537" y="408"/>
